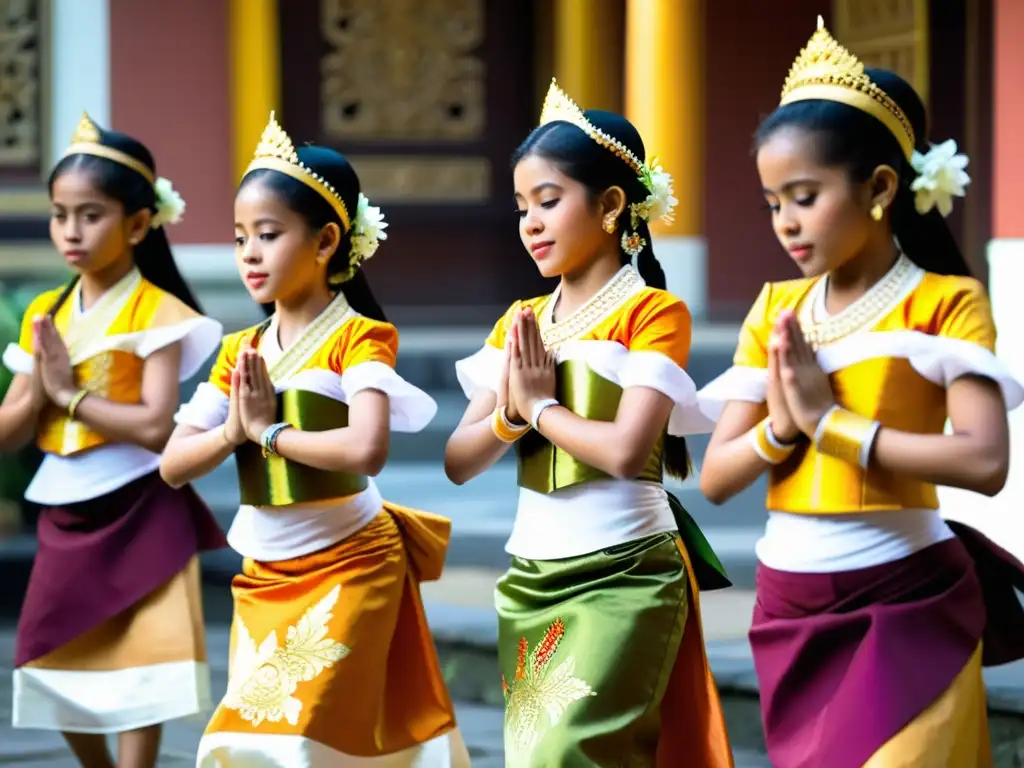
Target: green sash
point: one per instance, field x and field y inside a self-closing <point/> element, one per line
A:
<point x="275" y="481"/>
<point x="543" y="467"/>
<point x="707" y="568"/>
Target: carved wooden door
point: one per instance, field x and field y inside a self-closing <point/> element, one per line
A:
<point x="428" y="98"/>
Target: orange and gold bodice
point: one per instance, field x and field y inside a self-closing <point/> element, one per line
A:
<point x="321" y="357"/>
<point x="112" y="375"/>
<point x="888" y="370"/>
<point x="625" y="313"/>
<point x="106" y="346"/>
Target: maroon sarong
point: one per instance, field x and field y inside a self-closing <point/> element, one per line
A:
<point x="846" y="660"/>
<point x="99" y="557"/>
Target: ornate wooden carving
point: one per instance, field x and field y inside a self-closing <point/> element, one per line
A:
<point x="428" y="98"/>
<point x="20" y="62"/>
<point x="403" y="69"/>
<point x="887" y="33"/>
<point x="426" y="179"/>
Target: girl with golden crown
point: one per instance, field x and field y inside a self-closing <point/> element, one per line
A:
<point x="110" y="638"/>
<point x="599" y="631"/>
<point x="332" y="662"/>
<point x="874" y="616"/>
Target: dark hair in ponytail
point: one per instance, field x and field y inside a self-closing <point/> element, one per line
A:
<point x="153" y="255"/>
<point x="581" y="158"/>
<point x="852" y="139"/>
<point x="318" y="213"/>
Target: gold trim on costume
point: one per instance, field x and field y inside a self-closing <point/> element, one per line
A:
<point x="625" y="283"/>
<point x="80" y="330"/>
<point x="827" y="71"/>
<point x="275" y="152"/>
<point x="537" y="696"/>
<point x="504" y="429"/>
<point x="767" y="446"/>
<point x="877" y="302"/>
<point x="265" y="677"/>
<point x="86" y="141"/>
<point x="846" y="435"/>
<point x="313" y="336"/>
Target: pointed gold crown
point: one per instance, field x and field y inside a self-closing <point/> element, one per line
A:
<point x="88" y="140"/>
<point x="87" y="131"/>
<point x="558" y="106"/>
<point x="828" y="71"/>
<point x="276" y="152"/>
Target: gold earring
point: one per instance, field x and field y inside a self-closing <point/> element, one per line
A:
<point x="609" y="224"/>
<point x="877" y="211"/>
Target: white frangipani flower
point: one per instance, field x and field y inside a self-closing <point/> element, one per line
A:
<point x="367" y="231"/>
<point x="941" y="176"/>
<point x="661" y="201"/>
<point x="169" y="204"/>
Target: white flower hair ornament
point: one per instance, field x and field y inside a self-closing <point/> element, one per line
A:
<point x="941" y="176"/>
<point x="660" y="201"/>
<point x="169" y="204"/>
<point x="367" y="232"/>
<point x="659" y="204"/>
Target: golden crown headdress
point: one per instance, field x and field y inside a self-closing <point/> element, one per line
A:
<point x="558" y="106"/>
<point x="828" y="71"/>
<point x="660" y="201"/>
<point x="276" y="152"/>
<point x="87" y="140"/>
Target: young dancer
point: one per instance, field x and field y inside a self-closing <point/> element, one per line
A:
<point x="874" y="615"/>
<point x="110" y="639"/>
<point x="332" y="662"/>
<point x="600" y="640"/>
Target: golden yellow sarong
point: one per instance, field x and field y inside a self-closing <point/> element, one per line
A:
<point x="334" y="648"/>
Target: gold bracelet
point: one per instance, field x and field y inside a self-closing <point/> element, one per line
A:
<point x="505" y="430"/>
<point x="767" y="445"/>
<point x="75" y="402"/>
<point x="846" y="435"/>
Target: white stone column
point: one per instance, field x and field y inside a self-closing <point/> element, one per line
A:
<point x="79" y="48"/>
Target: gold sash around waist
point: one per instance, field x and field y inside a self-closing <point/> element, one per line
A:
<point x="274" y="481"/>
<point x="543" y="467"/>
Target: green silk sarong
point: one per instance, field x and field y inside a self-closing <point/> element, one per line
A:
<point x="588" y="649"/>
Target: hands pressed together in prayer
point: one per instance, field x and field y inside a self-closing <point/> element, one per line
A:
<point x="252" y="406"/>
<point x="799" y="393"/>
<point x="528" y="375"/>
<point x="53" y="379"/>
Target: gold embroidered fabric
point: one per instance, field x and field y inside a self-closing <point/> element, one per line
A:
<point x="538" y="693"/>
<point x="625" y="283"/>
<point x="264" y="678"/>
<point x="878" y="387"/>
<point x="115" y="376"/>
<point x="863" y="313"/>
<point x="311" y="340"/>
